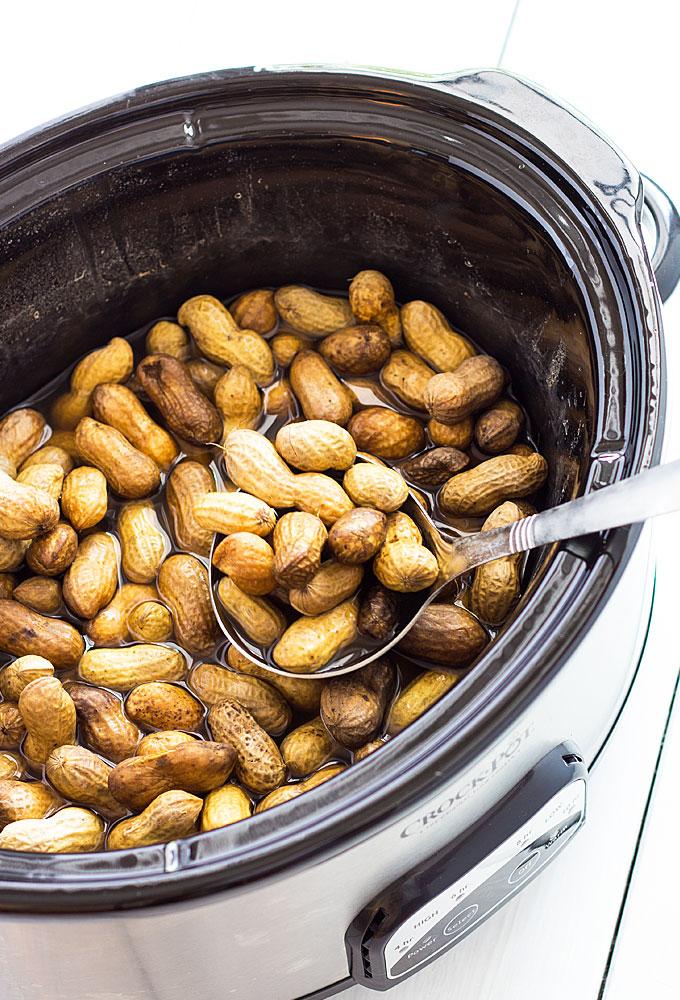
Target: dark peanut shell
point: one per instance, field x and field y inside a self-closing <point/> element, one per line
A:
<point x="104" y="727"/>
<point x="357" y="535"/>
<point x="259" y="764"/>
<point x="52" y="554"/>
<point x="378" y="613"/>
<point x="320" y="394"/>
<point x="356" y="350"/>
<point x="255" y="311"/>
<point x="188" y="413"/>
<point x="385" y="433"/>
<point x="445" y="633"/>
<point x="434" y="467"/>
<point x="505" y="477"/>
<point x="23" y="631"/>
<point x="475" y="384"/>
<point x="352" y="707"/>
<point x="197" y="766"/>
<point x="497" y="429"/>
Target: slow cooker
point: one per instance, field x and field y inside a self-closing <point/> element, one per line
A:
<point x="525" y="226"/>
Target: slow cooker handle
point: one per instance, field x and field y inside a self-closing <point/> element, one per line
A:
<point x="665" y="253"/>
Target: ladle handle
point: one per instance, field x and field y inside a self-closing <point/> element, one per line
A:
<point x="648" y="494"/>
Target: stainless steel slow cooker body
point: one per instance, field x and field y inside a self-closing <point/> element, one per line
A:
<point x="504" y="208"/>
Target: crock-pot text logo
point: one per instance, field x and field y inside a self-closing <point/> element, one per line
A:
<point x="425" y="822"/>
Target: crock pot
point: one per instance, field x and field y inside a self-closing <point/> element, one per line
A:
<point x="490" y="199"/>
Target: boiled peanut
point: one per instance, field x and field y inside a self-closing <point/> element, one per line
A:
<point x="356" y="350"/>
<point x="318" y="494"/>
<point x="69" y="408"/>
<point x="171" y="815"/>
<point x="298" y="540"/>
<point x="205" y="375"/>
<point x="7" y="466"/>
<point x="332" y="583"/>
<point x="128" y="471"/>
<point x="433" y="467"/>
<point x="352" y="707"/>
<point x="248" y="560"/>
<point x="259" y="765"/>
<point x="155" y="743"/>
<point x="288" y="792"/>
<point x="451" y="435"/>
<point x="84" y="498"/>
<point x="417" y="697"/>
<point x="445" y="633"/>
<point x="321" y="395"/>
<point x="496" y="430"/>
<point x="25" y="511"/>
<point x="110" y="626"/>
<point x="253" y="464"/>
<point x="111" y="363"/>
<point x="285" y="346"/>
<point x="20" y="672"/>
<point x="385" y="433"/>
<point x="378" y="613"/>
<point x="187" y="412"/>
<point x="316" y="446"/>
<point x="124" y="668"/>
<point x="49" y="716"/>
<point x="104" y="727"/>
<point x="117" y="406"/>
<point x="184" y="585"/>
<point x="187" y="481"/>
<point x="23" y="631"/>
<point x="357" y="535"/>
<point x="303" y="695"/>
<point x="405" y="566"/>
<point x="220" y="339"/>
<point x="82" y="776"/>
<point x="311" y="312"/>
<point x="229" y="513"/>
<point x="159" y="705"/>
<point x="12" y="728"/>
<point x="92" y="578"/>
<point x="312" y="642"/>
<point x="475" y="384"/>
<point x="280" y="401"/>
<point x="150" y="621"/>
<point x="46" y="477"/>
<point x="25" y="800"/>
<point x="142" y="541"/>
<point x="371" y="299"/>
<point x="255" y="311"/>
<point x="7" y="585"/>
<point x="51" y="554"/>
<point x="238" y="399"/>
<point x="375" y="486"/>
<point x="407" y="375"/>
<point x="197" y="766"/>
<point x="307" y="748"/>
<point x="505" y="477"/>
<point x="10" y="765"/>
<point x="496" y="584"/>
<point x="70" y="831"/>
<point x="166" y="337"/>
<point x="40" y="593"/>
<point x="12" y="552"/>
<point x="21" y="432"/>
<point x="428" y="334"/>
<point x="261" y="621"/>
<point x="224" y="806"/>
<point x="49" y="455"/>
<point x="266" y="705"/>
<point x="367" y="749"/>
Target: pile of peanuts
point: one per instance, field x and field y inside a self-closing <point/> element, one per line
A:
<point x="123" y="723"/>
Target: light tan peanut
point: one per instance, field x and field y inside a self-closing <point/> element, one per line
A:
<point x="385" y="433"/>
<point x="312" y="642"/>
<point x="69" y="831"/>
<point x="166" y="337"/>
<point x="82" y="776"/>
<point x="417" y="697"/>
<point x="259" y="765"/>
<point x="69" y="409"/>
<point x="84" y="497"/>
<point x="298" y="540"/>
<point x="12" y="552"/>
<point x="267" y="706"/>
<point x="447" y="634"/>
<point x="356" y="350"/>
<point x="110" y="626"/>
<point x="358" y="535"/>
<point x="405" y="566"/>
<point x="238" y="399"/>
<point x="23" y="631"/>
<point x="303" y="695"/>
<point x="124" y="668"/>
<point x="224" y="806"/>
<point x="25" y="510"/>
<point x="198" y="766"/>
<point x="316" y="446"/>
<point x="7" y="584"/>
<point x="40" y="593"/>
<point x="505" y="477"/>
<point x="12" y="728"/>
<point x="21" y="432"/>
<point x="7" y="466"/>
<point x="352" y="707"/>
<point x="155" y="743"/>
<point x="285" y="346"/>
<point x="11" y="765"/>
<point x="259" y="618"/>
<point x="428" y="334"/>
<point x="332" y="583"/>
<point x="474" y="385"/>
<point x="118" y="406"/>
<point x="184" y="585"/>
<point x="255" y="311"/>
<point x="170" y="816"/>
<point x="311" y="312"/>
<point x="187" y="412"/>
<point x="229" y="513"/>
<point x="496" y="430"/>
<point x="248" y="560"/>
<point x="49" y="716"/>
<point x="407" y="375"/>
<point x="142" y="541"/>
<point x="288" y="792"/>
<point x="104" y="727"/>
<point x="254" y="465"/>
<point x="320" y="393"/>
<point x="128" y="471"/>
<point x="20" y="672"/>
<point x="307" y="748"/>
<point x="49" y="454"/>
<point x="26" y="800"/>
<point x="433" y="467"/>
<point x="220" y="339"/>
<point x="158" y="705"/>
<point x="92" y="578"/>
<point x="111" y="363"/>
<point x="451" y="435"/>
<point x="378" y="613"/>
<point x="280" y="401"/>
<point x="375" y="486"/>
<point x="150" y="621"/>
<point x="367" y="749"/>
<point x="371" y="298"/>
<point x="205" y="375"/>
<point x="46" y="477"/>
<point x="66" y="441"/>
<point x="318" y="494"/>
<point x="186" y="482"/>
<point x="496" y="584"/>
